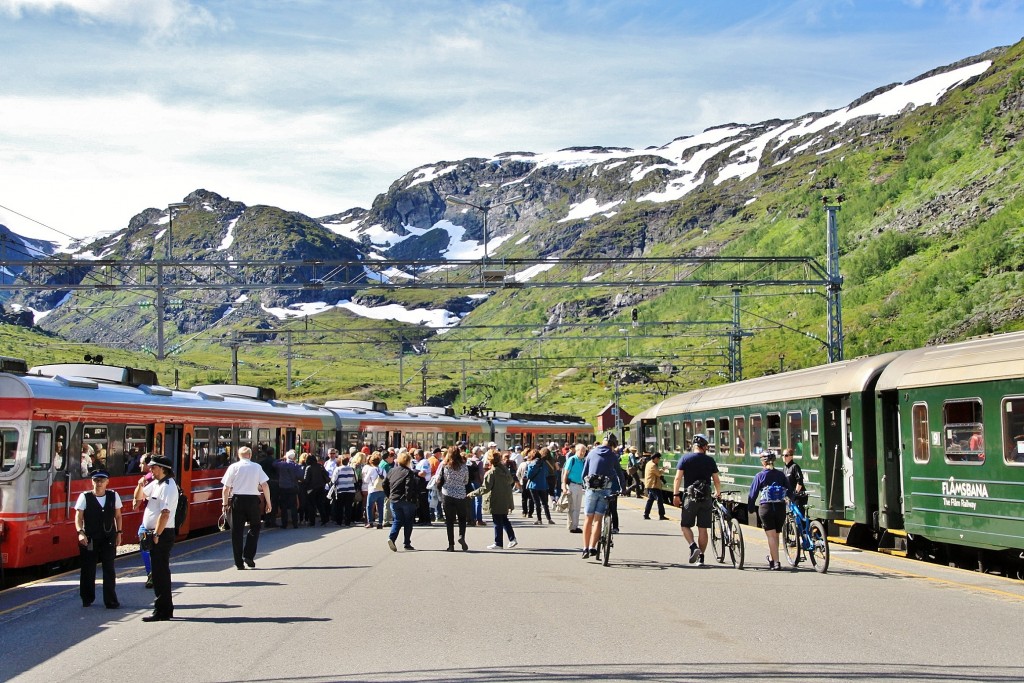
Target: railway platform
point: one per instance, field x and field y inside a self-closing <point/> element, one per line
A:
<point x="335" y="604"/>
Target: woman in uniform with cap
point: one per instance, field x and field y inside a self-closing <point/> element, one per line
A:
<point x="161" y="496"/>
<point x="98" y="520"/>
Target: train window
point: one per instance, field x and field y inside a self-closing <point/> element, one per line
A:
<point x="740" y="424"/>
<point x="264" y="442"/>
<point x="709" y="431"/>
<point x="224" y="447"/>
<point x="94" y="449"/>
<point x="666" y="435"/>
<point x="724" y="436"/>
<point x="774" y="431"/>
<point x="919" y="424"/>
<point x="158" y="444"/>
<point x="756" y="435"/>
<point x="687" y="436"/>
<point x="245" y="438"/>
<point x="190" y="454"/>
<point x="10" y="446"/>
<point x="675" y="437"/>
<point x="136" y="443"/>
<point x="795" y="431"/>
<point x="1013" y="430"/>
<point x="59" y="459"/>
<point x="203" y="453"/>
<point x="42" y="443"/>
<point x="964" y="431"/>
<point x="815" y="441"/>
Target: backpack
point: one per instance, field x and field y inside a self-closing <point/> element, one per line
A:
<point x="181" y="511"/>
<point x="699" y="491"/>
<point x="775" y="493"/>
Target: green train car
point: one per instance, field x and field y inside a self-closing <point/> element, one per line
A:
<point x="918" y="452"/>
<point x="952" y="435"/>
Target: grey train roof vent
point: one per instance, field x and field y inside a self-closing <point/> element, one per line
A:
<point x="352" y="404"/>
<point x="238" y="390"/>
<point x="16" y="365"/>
<point x="430" y="410"/>
<point x="133" y="377"/>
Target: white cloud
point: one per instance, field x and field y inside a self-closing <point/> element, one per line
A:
<point x="155" y="16"/>
<point x="317" y="106"/>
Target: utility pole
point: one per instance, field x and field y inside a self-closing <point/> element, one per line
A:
<point x="160" y="311"/>
<point x="289" y="339"/>
<point x="835" y="281"/>
<point x="735" y="340"/>
<point x="423" y="387"/>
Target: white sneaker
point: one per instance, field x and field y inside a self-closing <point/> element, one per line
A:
<point x="513" y="543"/>
<point x="494" y="546"/>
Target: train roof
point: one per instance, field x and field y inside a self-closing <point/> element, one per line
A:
<point x="95" y="391"/>
<point x="843" y="377"/>
<point x="975" y="360"/>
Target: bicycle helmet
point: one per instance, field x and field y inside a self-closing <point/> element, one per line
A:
<point x="700" y="440"/>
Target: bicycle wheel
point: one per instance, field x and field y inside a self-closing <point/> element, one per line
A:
<point x="606" y="538"/>
<point x="818" y="551"/>
<point x="717" y="535"/>
<point x="791" y="540"/>
<point x="736" y="549"/>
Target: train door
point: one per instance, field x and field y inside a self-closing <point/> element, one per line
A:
<point x="59" y="503"/>
<point x="39" y="460"/>
<point x="846" y="442"/>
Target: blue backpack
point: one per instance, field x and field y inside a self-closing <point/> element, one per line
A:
<point x="775" y="493"/>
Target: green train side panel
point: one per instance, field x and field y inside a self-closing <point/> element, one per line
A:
<point x="978" y="504"/>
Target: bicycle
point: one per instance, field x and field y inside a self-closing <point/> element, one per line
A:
<point x="801" y="536"/>
<point x="605" y="542"/>
<point x="726" y="534"/>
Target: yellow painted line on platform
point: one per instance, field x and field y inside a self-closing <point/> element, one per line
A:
<point x="48" y="579"/>
<point x="944" y="582"/>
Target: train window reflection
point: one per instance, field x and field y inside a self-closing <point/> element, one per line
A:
<point x="964" y="431"/>
<point x="94" y="449"/>
<point x="10" y="446"/>
<point x="724" y="436"/>
<point x="136" y="439"/>
<point x="740" y="424"/>
<point x="42" y="442"/>
<point x="756" y="435"/>
<point x="59" y="454"/>
<point x="774" y="431"/>
<point x="1013" y="430"/>
<point x="815" y="441"/>
<point x="795" y="431"/>
<point x="919" y="419"/>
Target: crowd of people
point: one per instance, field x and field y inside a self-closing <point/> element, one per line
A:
<point x="404" y="487"/>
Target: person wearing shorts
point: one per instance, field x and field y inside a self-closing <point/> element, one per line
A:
<point x="771" y="513"/>
<point x="601" y="478"/>
<point x="696" y="472"/>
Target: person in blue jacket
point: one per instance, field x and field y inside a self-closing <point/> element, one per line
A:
<point x="768" y="493"/>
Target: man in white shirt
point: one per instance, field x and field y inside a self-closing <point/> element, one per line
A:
<point x="244" y="483"/>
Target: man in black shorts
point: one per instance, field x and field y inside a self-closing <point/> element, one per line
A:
<point x="691" y="490"/>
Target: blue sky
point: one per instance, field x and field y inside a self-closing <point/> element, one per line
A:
<point x="108" y="107"/>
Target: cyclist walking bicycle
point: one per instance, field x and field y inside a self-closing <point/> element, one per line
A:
<point x="601" y="478"/>
<point x="691" y="491"/>
<point x="768" y="493"/>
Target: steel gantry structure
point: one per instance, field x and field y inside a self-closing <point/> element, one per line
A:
<point x="342" y="277"/>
